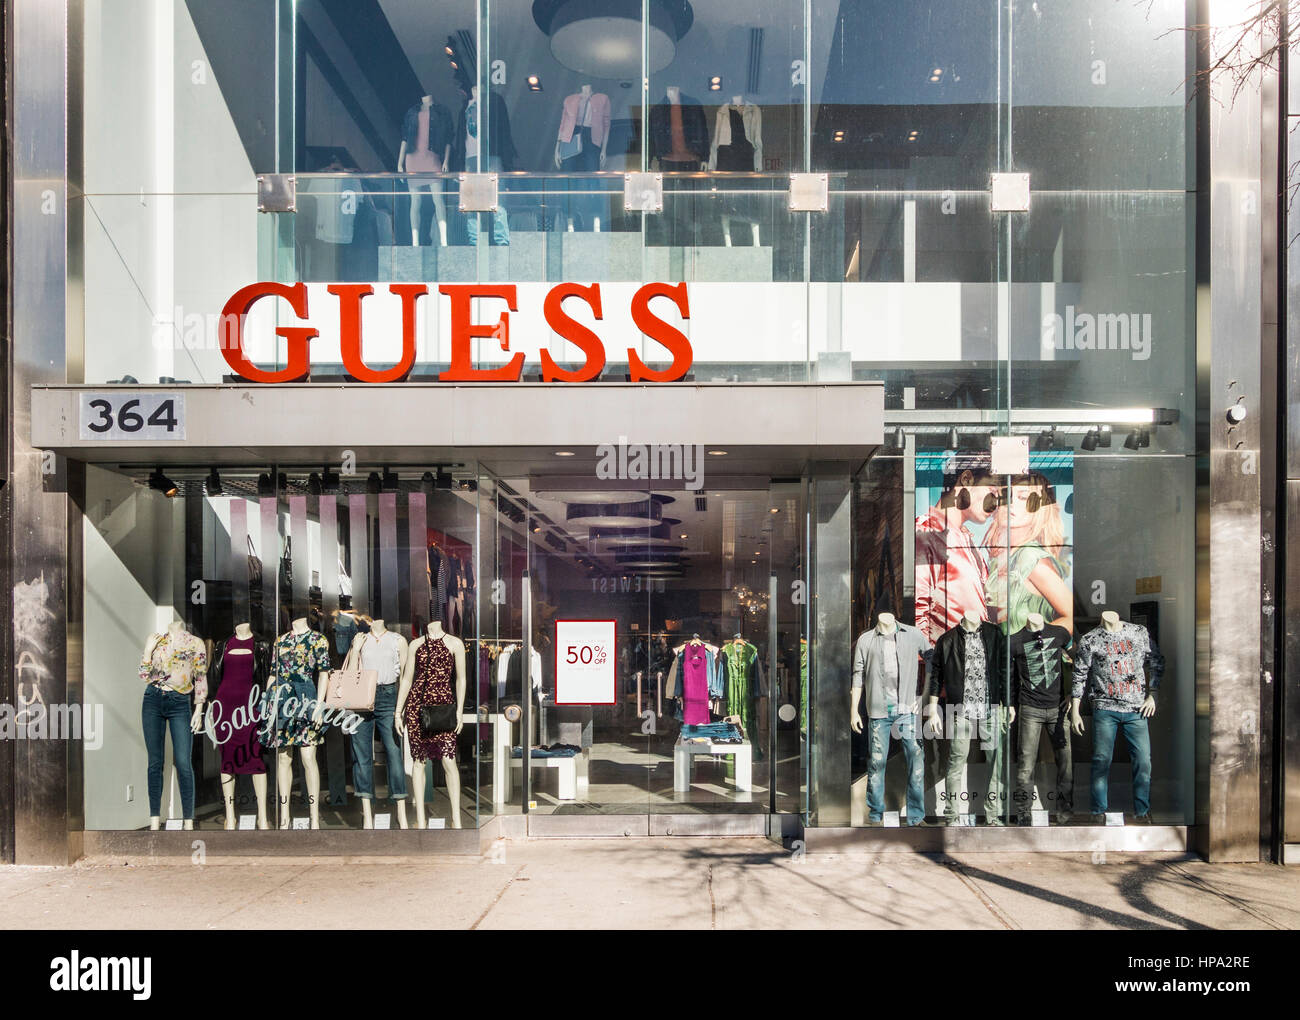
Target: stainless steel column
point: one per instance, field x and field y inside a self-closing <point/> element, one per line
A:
<point x="44" y="526"/>
<point x="830" y="652"/>
<point x="1231" y="624"/>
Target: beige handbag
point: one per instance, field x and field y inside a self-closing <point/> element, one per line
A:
<point x="352" y="689"/>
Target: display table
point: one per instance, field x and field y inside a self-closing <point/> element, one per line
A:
<point x="684" y="754"/>
<point x="500" y="752"/>
<point x="572" y="773"/>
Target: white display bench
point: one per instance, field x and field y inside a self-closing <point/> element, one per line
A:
<point x="684" y="758"/>
<point x="571" y="773"/>
<point x="500" y="752"/>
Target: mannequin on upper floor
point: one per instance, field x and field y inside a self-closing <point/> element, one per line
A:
<point x="426" y="149"/>
<point x="738" y="148"/>
<point x="679" y="133"/>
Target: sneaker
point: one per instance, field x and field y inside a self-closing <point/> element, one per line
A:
<point x="1064" y="817"/>
<point x="994" y="820"/>
<point x="1024" y="820"/>
<point x="952" y="820"/>
<point x="1097" y="819"/>
<point x="1142" y="820"/>
<point x="875" y="823"/>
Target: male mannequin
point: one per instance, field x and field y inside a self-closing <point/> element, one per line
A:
<point x="240" y="674"/>
<point x="472" y="155"/>
<point x="174" y="664"/>
<point x="426" y="148"/>
<point x="1110" y="664"/>
<point x="456" y="647"/>
<point x="884" y="666"/>
<point x="300" y="655"/>
<point x="386" y="652"/>
<point x="1038" y="691"/>
<point x="967" y="664"/>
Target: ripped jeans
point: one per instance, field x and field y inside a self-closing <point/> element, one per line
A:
<point x="901" y="727"/>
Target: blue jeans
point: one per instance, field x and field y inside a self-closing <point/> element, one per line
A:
<point x="363" y="747"/>
<point x="1138" y="738"/>
<point x="160" y="709"/>
<point x="500" y="226"/>
<point x="915" y="758"/>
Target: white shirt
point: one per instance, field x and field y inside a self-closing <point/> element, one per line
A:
<point x="382" y="653"/>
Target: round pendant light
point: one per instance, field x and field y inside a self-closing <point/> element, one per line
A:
<point x="602" y="38"/>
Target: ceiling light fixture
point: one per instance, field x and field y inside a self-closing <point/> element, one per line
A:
<point x="715" y="84"/>
<point x="534" y="83"/>
<point x="213" y="484"/>
<point x="159" y="482"/>
<point x="564" y="453"/>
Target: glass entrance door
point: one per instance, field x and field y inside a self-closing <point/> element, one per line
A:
<point x="697" y="599"/>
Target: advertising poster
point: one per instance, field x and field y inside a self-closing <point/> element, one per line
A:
<point x="1003" y="547"/>
<point x="584" y="662"/>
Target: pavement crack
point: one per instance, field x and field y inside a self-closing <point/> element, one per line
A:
<point x="497" y="899"/>
<point x="1002" y="917"/>
<point x="713" y="903"/>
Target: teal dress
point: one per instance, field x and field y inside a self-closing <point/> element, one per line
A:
<point x="1015" y="605"/>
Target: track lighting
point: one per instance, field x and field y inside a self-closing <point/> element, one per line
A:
<point x="900" y="438"/>
<point x="1138" y="439"/>
<point x="953" y="438"/>
<point x="1046" y="439"/>
<point x="213" y="483"/>
<point x="329" y="480"/>
<point x="159" y="482"/>
<point x="1090" y="440"/>
<point x="390" y="481"/>
<point x="313" y="484"/>
<point x="427" y="483"/>
<point x="372" y="483"/>
<point x="266" y="485"/>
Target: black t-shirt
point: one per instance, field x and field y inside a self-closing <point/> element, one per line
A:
<point x="1037" y="670"/>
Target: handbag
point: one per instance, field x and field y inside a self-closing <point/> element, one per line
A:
<point x="435" y="719"/>
<point x="254" y="565"/>
<point x="571" y="148"/>
<point x="351" y="688"/>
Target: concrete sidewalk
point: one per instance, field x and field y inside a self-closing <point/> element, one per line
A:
<point x="656" y="883"/>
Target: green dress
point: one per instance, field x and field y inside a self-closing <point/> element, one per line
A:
<point x="1014" y="606"/>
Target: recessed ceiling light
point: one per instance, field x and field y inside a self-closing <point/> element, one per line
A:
<point x="683" y="534"/>
<point x="774" y="510"/>
<point x="717" y="453"/>
<point x="564" y="453"/>
<point x="937" y="71"/>
<point x="455" y="66"/>
<point x="449" y="51"/>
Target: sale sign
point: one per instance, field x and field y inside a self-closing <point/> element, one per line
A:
<point x="584" y="662"/>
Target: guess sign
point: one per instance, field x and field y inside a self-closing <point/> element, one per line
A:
<point x="463" y="331"/>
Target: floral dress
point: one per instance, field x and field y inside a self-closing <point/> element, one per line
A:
<point x="289" y="703"/>
<point x="430" y="685"/>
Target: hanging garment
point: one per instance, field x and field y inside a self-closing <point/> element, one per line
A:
<point x="744" y="682"/>
<point x="737" y="138"/>
<point x="235" y="678"/>
<point x="696" y="669"/>
<point x="739" y="154"/>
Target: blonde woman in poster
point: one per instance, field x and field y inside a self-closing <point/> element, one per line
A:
<point x="1029" y="558"/>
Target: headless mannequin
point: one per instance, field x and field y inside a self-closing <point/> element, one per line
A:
<point x="353" y="661"/>
<point x="738" y="102"/>
<point x="585" y="92"/>
<point x="1110" y="620"/>
<point x="674" y="94"/>
<point x="584" y="121"/>
<point x="310" y="770"/>
<point x="886" y="624"/>
<point x="434" y="186"/>
<point x="243" y="631"/>
<point x="434" y="632"/>
<point x="174" y="630"/>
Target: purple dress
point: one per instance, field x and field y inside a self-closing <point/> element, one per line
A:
<point x="695" y="685"/>
<point x="241" y="751"/>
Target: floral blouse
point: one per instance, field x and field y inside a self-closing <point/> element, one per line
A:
<point x="299" y="658"/>
<point x="176" y="663"/>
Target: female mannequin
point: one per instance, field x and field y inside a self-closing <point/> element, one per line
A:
<point x="386" y="652"/>
<point x="239" y="674"/>
<point x="174" y="664"/>
<point x="434" y="674"/>
<point x="426" y="148"/>
<point x="291" y="712"/>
